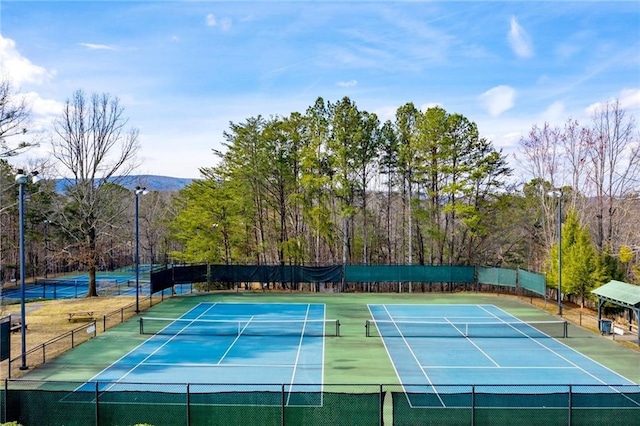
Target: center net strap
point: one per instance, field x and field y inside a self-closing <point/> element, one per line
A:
<point x="245" y="327"/>
<point x="537" y="329"/>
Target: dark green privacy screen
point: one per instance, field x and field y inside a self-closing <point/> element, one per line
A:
<point x="409" y="273"/>
<point x="184" y="274"/>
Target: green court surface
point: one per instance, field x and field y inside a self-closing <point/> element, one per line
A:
<point x="360" y="382"/>
<point x="351" y="358"/>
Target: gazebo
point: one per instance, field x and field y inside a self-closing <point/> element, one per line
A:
<point x="622" y="294"/>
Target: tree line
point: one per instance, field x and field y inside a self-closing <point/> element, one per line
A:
<point x="335" y="185"/>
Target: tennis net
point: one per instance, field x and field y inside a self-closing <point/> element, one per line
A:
<point x="537" y="329"/>
<point x="245" y="327"/>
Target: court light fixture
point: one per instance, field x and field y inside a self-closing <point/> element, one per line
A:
<point x="138" y="192"/>
<point x="21" y="180"/>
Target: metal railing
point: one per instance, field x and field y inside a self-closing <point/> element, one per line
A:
<point x="43" y="352"/>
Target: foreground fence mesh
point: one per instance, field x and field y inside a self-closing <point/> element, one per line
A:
<point x="69" y="403"/>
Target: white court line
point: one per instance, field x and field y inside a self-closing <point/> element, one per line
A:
<point x="134" y="350"/>
<point x="234" y="341"/>
<point x="471" y="367"/>
<point x="157" y="349"/>
<point x="415" y="358"/>
<point x="588" y="373"/>
<point x="295" y="366"/>
<point x="206" y="364"/>
<point x="473" y="343"/>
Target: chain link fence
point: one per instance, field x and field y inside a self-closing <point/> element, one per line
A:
<point x="103" y="403"/>
<point x="50" y="349"/>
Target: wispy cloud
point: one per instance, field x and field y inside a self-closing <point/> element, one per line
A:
<point x="19" y="69"/>
<point x="350" y="83"/>
<point x="498" y="100"/>
<point x="629" y="100"/>
<point x="519" y="40"/>
<point x="94" y="46"/>
<point x="223" y="23"/>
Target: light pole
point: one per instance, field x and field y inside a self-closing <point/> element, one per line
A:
<point x="21" y="180"/>
<point x="557" y="193"/>
<point x="138" y="191"/>
<point x="46" y="246"/>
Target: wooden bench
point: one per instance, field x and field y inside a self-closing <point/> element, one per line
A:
<point x="16" y="325"/>
<point x="81" y="316"/>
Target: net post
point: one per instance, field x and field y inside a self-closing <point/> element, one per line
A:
<point x="366" y="328"/>
<point x="141" y="327"/>
<point x="565" y="329"/>
<point x="337" y="328"/>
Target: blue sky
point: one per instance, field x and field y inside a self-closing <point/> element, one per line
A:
<point x="184" y="69"/>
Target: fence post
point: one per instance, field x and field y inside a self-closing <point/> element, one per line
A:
<point x="381" y="415"/>
<point x="97" y="409"/>
<point x="4" y="400"/>
<point x="282" y="404"/>
<point x="473" y="405"/>
<point x="570" y="404"/>
<point x="188" y="406"/>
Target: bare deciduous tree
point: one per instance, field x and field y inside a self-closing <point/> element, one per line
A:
<point x="615" y="166"/>
<point x="92" y="144"/>
<point x="14" y="119"/>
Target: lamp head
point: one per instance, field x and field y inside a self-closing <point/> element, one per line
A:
<point x="34" y="177"/>
<point x="21" y="178"/>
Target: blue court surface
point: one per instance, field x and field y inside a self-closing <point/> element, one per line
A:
<point x="457" y="345"/>
<point x="265" y="346"/>
<point x="78" y="286"/>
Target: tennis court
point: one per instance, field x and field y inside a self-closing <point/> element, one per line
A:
<point x="72" y="287"/>
<point x="435" y="347"/>
<point x="267" y="358"/>
<point x="260" y="345"/>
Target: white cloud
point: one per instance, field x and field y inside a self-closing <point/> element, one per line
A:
<point x="350" y="83"/>
<point x="629" y="100"/>
<point x="498" y="100"/>
<point x="212" y="21"/>
<point x="19" y="69"/>
<point x="428" y="105"/>
<point x="519" y="40"/>
<point x="555" y="113"/>
<point x="94" y="46"/>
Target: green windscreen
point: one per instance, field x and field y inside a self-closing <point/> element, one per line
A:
<point x="497" y="276"/>
<point x="532" y="281"/>
<point x="410" y="273"/>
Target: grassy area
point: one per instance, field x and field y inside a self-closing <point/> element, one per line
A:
<point x="49" y="319"/>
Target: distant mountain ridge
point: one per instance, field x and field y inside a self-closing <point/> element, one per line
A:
<point x="151" y="182"/>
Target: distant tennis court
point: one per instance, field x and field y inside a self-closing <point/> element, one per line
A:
<point x="260" y="345"/>
<point x="435" y="347"/>
<point x="75" y="286"/>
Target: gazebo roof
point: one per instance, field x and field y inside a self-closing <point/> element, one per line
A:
<point x="620" y="293"/>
